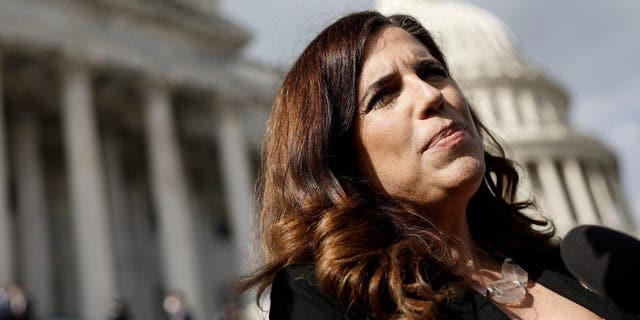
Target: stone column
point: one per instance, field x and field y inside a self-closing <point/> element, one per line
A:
<point x="485" y="106"/>
<point x="554" y="196"/>
<point x="528" y="108"/>
<point x="603" y="199"/>
<point x="549" y="114"/>
<point x="6" y="230"/>
<point x="506" y="108"/>
<point x="237" y="177"/>
<point x="32" y="224"/>
<point x="171" y="198"/>
<point x="577" y="188"/>
<point x="628" y="224"/>
<point x="88" y="199"/>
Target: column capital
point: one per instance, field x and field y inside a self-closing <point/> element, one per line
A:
<point x="151" y="81"/>
<point x="225" y="103"/>
<point x="73" y="61"/>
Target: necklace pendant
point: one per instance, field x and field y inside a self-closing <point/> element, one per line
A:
<point x="511" y="288"/>
<point x="506" y="291"/>
<point x="512" y="271"/>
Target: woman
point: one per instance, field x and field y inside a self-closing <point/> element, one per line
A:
<point x="379" y="200"/>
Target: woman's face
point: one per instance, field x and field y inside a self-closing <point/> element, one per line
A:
<point x="415" y="138"/>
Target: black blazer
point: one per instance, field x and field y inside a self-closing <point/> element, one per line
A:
<point x="295" y="295"/>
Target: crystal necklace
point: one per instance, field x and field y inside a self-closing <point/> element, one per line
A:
<point x="512" y="287"/>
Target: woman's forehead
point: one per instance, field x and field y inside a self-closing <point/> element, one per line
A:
<point x="389" y="50"/>
<point x="388" y="40"/>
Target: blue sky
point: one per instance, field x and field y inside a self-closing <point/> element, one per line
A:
<point x="590" y="47"/>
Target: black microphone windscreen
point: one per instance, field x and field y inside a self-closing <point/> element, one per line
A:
<point x="606" y="261"/>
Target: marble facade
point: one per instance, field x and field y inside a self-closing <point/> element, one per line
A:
<point x="127" y="132"/>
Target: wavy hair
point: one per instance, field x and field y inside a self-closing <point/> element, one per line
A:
<point x="369" y="252"/>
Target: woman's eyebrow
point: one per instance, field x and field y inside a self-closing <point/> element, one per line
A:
<point x="422" y="64"/>
<point x="428" y="64"/>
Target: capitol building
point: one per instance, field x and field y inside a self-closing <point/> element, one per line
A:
<point x="129" y="133"/>
<point x="127" y="137"/>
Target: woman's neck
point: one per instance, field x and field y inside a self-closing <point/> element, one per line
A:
<point x="473" y="262"/>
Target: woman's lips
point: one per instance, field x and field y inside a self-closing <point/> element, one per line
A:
<point x="447" y="137"/>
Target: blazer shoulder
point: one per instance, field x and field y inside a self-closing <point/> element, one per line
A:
<point x="295" y="294"/>
<point x="298" y="274"/>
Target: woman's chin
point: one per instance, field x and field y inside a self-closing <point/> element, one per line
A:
<point x="465" y="173"/>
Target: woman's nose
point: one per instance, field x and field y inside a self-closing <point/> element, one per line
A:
<point x="429" y="99"/>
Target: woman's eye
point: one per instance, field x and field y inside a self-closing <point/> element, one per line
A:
<point x="380" y="99"/>
<point x="437" y="73"/>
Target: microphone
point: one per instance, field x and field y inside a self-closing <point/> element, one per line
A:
<point x="605" y="261"/>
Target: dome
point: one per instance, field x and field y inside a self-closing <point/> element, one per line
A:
<point x="475" y="42"/>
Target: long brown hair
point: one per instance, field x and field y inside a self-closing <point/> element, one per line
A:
<point x="368" y="252"/>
